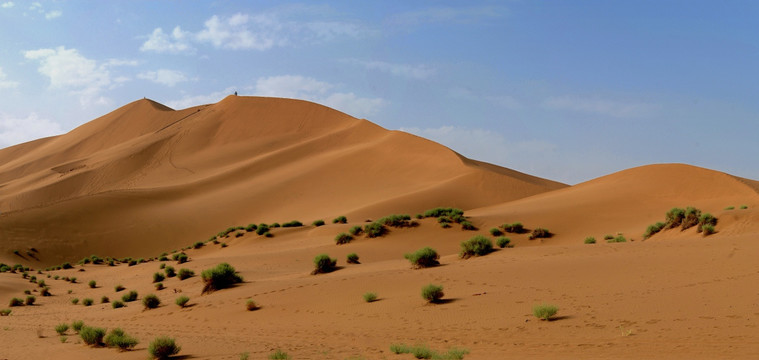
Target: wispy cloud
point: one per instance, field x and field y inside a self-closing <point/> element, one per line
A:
<point x="461" y="15"/>
<point x="7" y="5"/>
<point x="164" y="76"/>
<point x="53" y="14"/>
<point x="175" y="43"/>
<point x="16" y="130"/>
<point x="605" y="107"/>
<point x="6" y="84"/>
<point x="402" y="70"/>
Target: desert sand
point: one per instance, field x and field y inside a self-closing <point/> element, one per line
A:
<point x="146" y="179"/>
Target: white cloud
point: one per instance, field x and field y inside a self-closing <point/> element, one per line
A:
<point x="7" y="5"/>
<point x="163" y="76"/>
<point x="612" y="108"/>
<point x="6" y="84"/>
<point x="353" y="105"/>
<point x="14" y="130"/>
<point x="403" y="70"/>
<point x="67" y="69"/>
<point x="36" y="6"/>
<point x="448" y="15"/>
<point x="176" y="42"/>
<point x="235" y="32"/>
<point x="190" y="101"/>
<point x="53" y="14"/>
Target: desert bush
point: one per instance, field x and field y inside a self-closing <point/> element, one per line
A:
<point x="375" y="230"/>
<point x="220" y="277"/>
<point x="674" y="218"/>
<point x="75" y="301"/>
<point x="158" y="277"/>
<point x="400" y="348"/>
<point x="45" y="291"/>
<point x="92" y="335"/>
<point x="294" y="223"/>
<point x="182" y="301"/>
<point x="503" y="242"/>
<point x="185" y="274"/>
<point x="496" y="232"/>
<point x="355" y="231"/>
<point x="324" y="264"/>
<point x="104" y="300"/>
<point x="72" y="280"/>
<point x="370" y="297"/>
<point x="478" y="245"/>
<point x="744" y="207"/>
<point x="262" y="229"/>
<point x="41" y="283"/>
<point x="544" y="311"/>
<point x="706" y="219"/>
<point x="590" y="240"/>
<point x="691" y="217"/>
<point x="432" y="293"/>
<point x="151" y="301"/>
<point x="87" y="302"/>
<point x="251" y="227"/>
<point x="181" y="258"/>
<point x="159" y="286"/>
<point x="197" y="245"/>
<point x="119" y="287"/>
<point x="279" y="355"/>
<point x="318" y="222"/>
<point x="708" y="229"/>
<point x="30" y="300"/>
<point x="466" y="225"/>
<point x="397" y="221"/>
<point x="516" y="228"/>
<point x="5" y="312"/>
<point x="730" y="208"/>
<point x="118" y="338"/>
<point x="117" y="304"/>
<point x="129" y="297"/>
<point x="275" y="225"/>
<point x="618" y="239"/>
<point x="170" y="272"/>
<point x="77" y="325"/>
<point x="162" y="347"/>
<point x="340" y="220"/>
<point x="343" y="238"/>
<point x="424" y="257"/>
<point x="239" y="234"/>
<point x="538" y="233"/>
<point x="251" y="305"/>
<point x="61" y="328"/>
<point x="440" y="211"/>
<point x="66" y="266"/>
<point x="445" y="225"/>
<point x="653" y="229"/>
<point x="352" y="258"/>
<point x="422" y="352"/>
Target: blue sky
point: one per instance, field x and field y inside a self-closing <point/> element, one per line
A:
<point x="568" y="90"/>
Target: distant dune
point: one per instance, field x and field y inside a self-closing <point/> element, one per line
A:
<point x="146" y="178"/>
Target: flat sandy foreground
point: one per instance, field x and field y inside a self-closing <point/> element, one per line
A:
<point x="685" y="297"/>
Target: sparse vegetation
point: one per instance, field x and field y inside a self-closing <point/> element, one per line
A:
<point x="516" y="228"/>
<point x="251" y="305"/>
<point x="294" y="223"/>
<point x="590" y="240"/>
<point x="340" y="220"/>
<point x="441" y="211"/>
<point x="170" y="272"/>
<point x="61" y="328"/>
<point x="324" y="264"/>
<point x="370" y="297"/>
<point x="119" y="287"/>
<point x="279" y="355"/>
<point x="75" y="301"/>
<point x="262" y="229"/>
<point x="162" y="347"/>
<point x="158" y="277"/>
<point x="466" y="225"/>
<point x="478" y="245"/>
<point x="5" y="312"/>
<point x="151" y="301"/>
<point x="355" y="231"/>
<point x="129" y="297"/>
<point x="88" y="302"/>
<point x="77" y="325"/>
<point x="674" y="218"/>
<point x="375" y="230"/>
<point x="540" y="233"/>
<point x="92" y="335"/>
<point x="432" y="293"/>
<point x="496" y="232"/>
<point x="651" y="230"/>
<point x="220" y="277"/>
<point x="343" y="238"/>
<point x="544" y="311"/>
<point x="708" y="229"/>
<point x="118" y="338"/>
<point x="691" y="218"/>
<point x="16" y="302"/>
<point x="182" y="301"/>
<point x="117" y="304"/>
<point x="30" y="300"/>
<point x="707" y="219"/>
<point x="318" y="223"/>
<point x="352" y="258"/>
<point x="397" y="221"/>
<point x="159" y="286"/>
<point x="197" y="245"/>
<point x="424" y="257"/>
<point x="617" y="239"/>
<point x="181" y="258"/>
<point x="104" y="300"/>
<point x="185" y="274"/>
<point x="744" y="207"/>
<point x="730" y="208"/>
<point x="503" y="242"/>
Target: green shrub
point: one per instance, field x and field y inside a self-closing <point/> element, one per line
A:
<point x="294" y="223"/>
<point x="318" y="223"/>
<point x="340" y="220"/>
<point x="119" y="287"/>
<point x="618" y="239"/>
<point x="397" y="221"/>
<point x="445" y="225"/>
<point x="422" y="352"/>
<point x="239" y="234"/>
<point x="691" y="217"/>
<point x="61" y="328"/>
<point x="590" y="240"/>
<point x="220" y="277"/>
<point x="370" y="297"/>
<point x="708" y="229"/>
<point x="92" y="335"/>
<point x="182" y="301"/>
<point x="151" y="301"/>
<point x="170" y="272"/>
<point x="653" y="229"/>
<point x="159" y="286"/>
<point x="744" y="207"/>
<point x="730" y="208"/>
<point x="355" y="231"/>
<point x="375" y="230"/>
<point x="104" y="300"/>
<point x="478" y="245"/>
<point x="706" y="219"/>
<point x="251" y="305"/>
<point x="400" y="348"/>
<point x="181" y="258"/>
<point x="343" y="238"/>
<point x="432" y="293"/>
<point x="496" y="232"/>
<point x="30" y="300"/>
<point x="158" y="277"/>
<point x="77" y="325"/>
<point x="279" y="355"/>
<point x="45" y="291"/>
<point x="185" y="274"/>
<point x="162" y="347"/>
<point x="117" y="304"/>
<point x="72" y="280"/>
<point x="544" y="311"/>
<point x="324" y="264"/>
<point x="262" y="229"/>
<point x="424" y="257"/>
<point x="130" y="296"/>
<point x="117" y="338"/>
<point x="503" y="242"/>
<point x="198" y="245"/>
<point x="516" y="228"/>
<point x="87" y="302"/>
<point x="674" y="217"/>
<point x="352" y="258"/>
<point x="440" y="211"/>
<point x="5" y="312"/>
<point x="538" y="233"/>
<point x="251" y="227"/>
<point x="75" y="301"/>
<point x="466" y="225"/>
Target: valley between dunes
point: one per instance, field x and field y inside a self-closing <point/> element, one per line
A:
<point x="146" y="179"/>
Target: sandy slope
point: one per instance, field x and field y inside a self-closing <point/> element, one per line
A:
<point x="145" y="178"/>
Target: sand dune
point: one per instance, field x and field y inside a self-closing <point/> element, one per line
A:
<point x="145" y="178"/>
